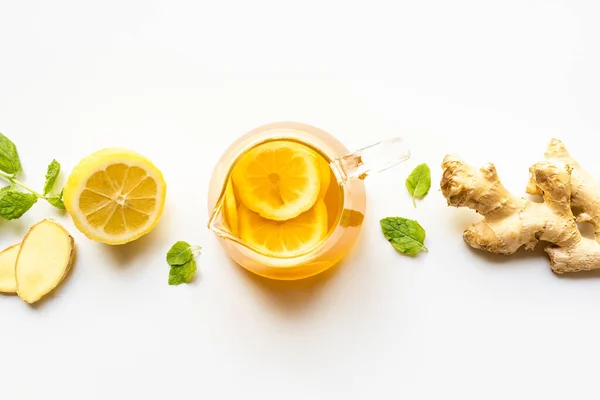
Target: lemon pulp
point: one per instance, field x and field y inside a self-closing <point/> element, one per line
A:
<point x="115" y="196"/>
<point x="286" y="238"/>
<point x="278" y="180"/>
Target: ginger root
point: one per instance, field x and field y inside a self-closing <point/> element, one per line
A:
<point x="585" y="190"/>
<point x="510" y="222"/>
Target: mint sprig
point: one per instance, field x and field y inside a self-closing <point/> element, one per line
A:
<point x="181" y="260"/>
<point x="56" y="200"/>
<point x="51" y="176"/>
<point x="13" y="204"/>
<point x="17" y="198"/>
<point x="9" y="157"/>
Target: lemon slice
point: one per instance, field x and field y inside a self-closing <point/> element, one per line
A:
<point x="231" y="213"/>
<point x="115" y="196"/>
<point x="284" y="238"/>
<point x="278" y="180"/>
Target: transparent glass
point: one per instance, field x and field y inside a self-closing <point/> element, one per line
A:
<point x="349" y="169"/>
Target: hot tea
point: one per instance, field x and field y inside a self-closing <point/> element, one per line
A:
<point x="282" y="198"/>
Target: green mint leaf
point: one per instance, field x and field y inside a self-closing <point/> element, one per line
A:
<point x="9" y="158"/>
<point x="57" y="201"/>
<point x="182" y="273"/>
<point x="13" y="204"/>
<point x="180" y="254"/>
<point x="181" y="259"/>
<point x="406" y="235"/>
<point x="51" y="175"/>
<point x="418" y="182"/>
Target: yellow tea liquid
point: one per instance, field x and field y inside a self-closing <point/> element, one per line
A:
<point x="283" y="198"/>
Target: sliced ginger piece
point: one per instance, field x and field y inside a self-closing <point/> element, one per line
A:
<point x="44" y="260"/>
<point x="8" y="259"/>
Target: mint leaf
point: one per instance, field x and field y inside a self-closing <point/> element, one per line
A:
<point x="57" y="201"/>
<point x="13" y="204"/>
<point x="182" y="273"/>
<point x="9" y="158"/>
<point x="405" y="235"/>
<point x="181" y="259"/>
<point x="51" y="175"/>
<point x="418" y="182"/>
<point x="179" y="254"/>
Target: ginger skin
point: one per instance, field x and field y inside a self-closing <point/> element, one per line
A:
<point x="585" y="190"/>
<point x="510" y="222"/>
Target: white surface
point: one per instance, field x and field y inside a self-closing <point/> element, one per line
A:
<point x="178" y="81"/>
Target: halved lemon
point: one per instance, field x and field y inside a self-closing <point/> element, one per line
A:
<point x="284" y="238"/>
<point x="279" y="180"/>
<point x="115" y="196"/>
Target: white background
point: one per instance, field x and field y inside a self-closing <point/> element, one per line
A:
<point x="179" y="81"/>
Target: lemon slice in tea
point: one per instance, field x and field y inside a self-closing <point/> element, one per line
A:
<point x="279" y="180"/>
<point x="115" y="196"/>
<point x="284" y="238"/>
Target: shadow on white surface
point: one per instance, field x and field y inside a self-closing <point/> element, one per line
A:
<point x="580" y="275"/>
<point x="297" y="297"/>
<point x="291" y="297"/>
<point x="462" y="218"/>
<point x="125" y="255"/>
<point x="587" y="230"/>
<point x="18" y="228"/>
<point x="509" y="260"/>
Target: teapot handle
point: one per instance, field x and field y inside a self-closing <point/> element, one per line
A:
<point x="374" y="158"/>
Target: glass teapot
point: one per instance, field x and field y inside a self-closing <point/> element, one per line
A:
<point x="349" y="170"/>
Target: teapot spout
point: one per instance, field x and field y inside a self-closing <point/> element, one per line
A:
<point x="218" y="223"/>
